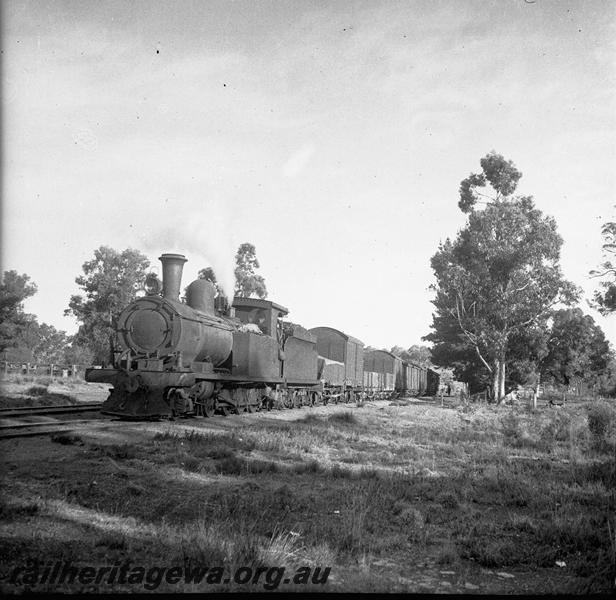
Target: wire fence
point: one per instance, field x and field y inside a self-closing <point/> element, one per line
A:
<point x="34" y="369"/>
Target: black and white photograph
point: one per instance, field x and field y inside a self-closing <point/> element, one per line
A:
<point x="308" y="296"/>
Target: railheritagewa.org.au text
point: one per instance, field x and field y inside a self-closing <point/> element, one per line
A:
<point x="151" y="577"/>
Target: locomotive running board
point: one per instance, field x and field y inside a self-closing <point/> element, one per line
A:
<point x="109" y="375"/>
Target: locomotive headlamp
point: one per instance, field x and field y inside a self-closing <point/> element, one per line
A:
<point x="153" y="285"/>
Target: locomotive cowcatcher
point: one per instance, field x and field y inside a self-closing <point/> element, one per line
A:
<point x="201" y="356"/>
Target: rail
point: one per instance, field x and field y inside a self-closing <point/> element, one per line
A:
<point x="19" y="411"/>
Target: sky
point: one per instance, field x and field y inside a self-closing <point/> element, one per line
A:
<point x="331" y="135"/>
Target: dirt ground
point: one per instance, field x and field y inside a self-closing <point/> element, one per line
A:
<point x="395" y="497"/>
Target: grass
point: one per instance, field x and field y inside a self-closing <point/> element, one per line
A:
<point x="43" y="390"/>
<point x="36" y="395"/>
<point x="490" y="488"/>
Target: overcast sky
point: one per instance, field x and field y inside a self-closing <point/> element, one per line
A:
<point x="332" y="135"/>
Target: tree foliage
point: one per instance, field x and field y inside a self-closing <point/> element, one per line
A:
<point x="14" y="289"/>
<point x="109" y="283"/>
<point x="416" y="354"/>
<point x="209" y="275"/>
<point x="605" y="296"/>
<point x="247" y="282"/>
<point x="501" y="174"/>
<point x="77" y="354"/>
<point x="45" y="343"/>
<point x="499" y="277"/>
<point x="576" y="348"/>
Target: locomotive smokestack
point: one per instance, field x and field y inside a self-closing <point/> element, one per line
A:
<point x="173" y="264"/>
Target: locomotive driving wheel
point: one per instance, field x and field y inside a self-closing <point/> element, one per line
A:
<point x="206" y="407"/>
<point x="200" y="395"/>
<point x="209" y="407"/>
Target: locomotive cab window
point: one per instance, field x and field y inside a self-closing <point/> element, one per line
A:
<point x="256" y="316"/>
<point x="262" y="313"/>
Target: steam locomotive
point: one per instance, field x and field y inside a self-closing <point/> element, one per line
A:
<point x="202" y="356"/>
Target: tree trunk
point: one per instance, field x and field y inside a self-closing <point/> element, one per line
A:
<point x="536" y="391"/>
<point x="502" y="378"/>
<point x="498" y="386"/>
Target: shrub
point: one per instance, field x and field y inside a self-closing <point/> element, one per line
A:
<point x="120" y="451"/>
<point x="448" y="500"/>
<point x="447" y="555"/>
<point x="36" y="390"/>
<point x="601" y="419"/>
<point x="558" y="428"/>
<point x="230" y="465"/>
<point x="112" y="540"/>
<point x="191" y="463"/>
<point x="67" y="439"/>
<point x="14" y="511"/>
<point x="346" y="417"/>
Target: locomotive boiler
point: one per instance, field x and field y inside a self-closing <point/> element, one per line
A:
<point x="201" y="356"/>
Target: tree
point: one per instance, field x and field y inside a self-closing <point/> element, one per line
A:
<point x="78" y="355"/>
<point x="109" y="282"/>
<point x="399" y="351"/>
<point x="418" y="355"/>
<point x="499" y="276"/>
<point x="605" y="297"/>
<point x="51" y="344"/>
<point x="454" y="352"/>
<point x="42" y="343"/>
<point x="247" y="282"/>
<point x="209" y="275"/>
<point x="526" y="350"/>
<point x="576" y="348"/>
<point x="14" y="289"/>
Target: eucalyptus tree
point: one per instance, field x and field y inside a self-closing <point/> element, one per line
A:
<point x="576" y="348"/>
<point x="605" y="296"/>
<point x="14" y="290"/>
<point x="247" y="281"/>
<point x="499" y="277"/>
<point x="109" y="282"/>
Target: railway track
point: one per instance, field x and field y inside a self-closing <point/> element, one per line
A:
<point x="22" y="411"/>
<point x="21" y="430"/>
<point x="24" y="428"/>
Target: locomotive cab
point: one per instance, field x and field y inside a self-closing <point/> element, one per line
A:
<point x="264" y="314"/>
<point x="269" y="348"/>
<point x="257" y="347"/>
